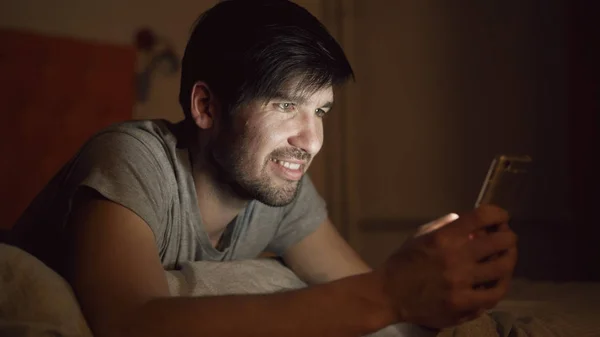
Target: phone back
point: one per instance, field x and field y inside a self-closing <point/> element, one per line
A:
<point x="505" y="184"/>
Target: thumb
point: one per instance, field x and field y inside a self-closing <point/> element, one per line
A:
<point x="436" y="224"/>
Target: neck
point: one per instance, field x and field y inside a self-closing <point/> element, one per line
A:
<point x="218" y="205"/>
<point x="217" y="201"/>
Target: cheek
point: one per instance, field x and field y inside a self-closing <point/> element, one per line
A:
<point x="257" y="145"/>
<point x="319" y="134"/>
<point x="320" y="131"/>
<point x="265" y="137"/>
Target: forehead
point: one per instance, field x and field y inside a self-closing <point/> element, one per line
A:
<point x="294" y="91"/>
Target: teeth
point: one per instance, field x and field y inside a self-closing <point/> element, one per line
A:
<point x="291" y="166"/>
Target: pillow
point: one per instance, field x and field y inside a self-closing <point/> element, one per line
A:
<point x="35" y="300"/>
<point x="259" y="276"/>
<point x="205" y="278"/>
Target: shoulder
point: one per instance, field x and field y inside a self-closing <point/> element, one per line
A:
<point x="145" y="140"/>
<point x="151" y="133"/>
<point x="141" y="150"/>
<point x="131" y="164"/>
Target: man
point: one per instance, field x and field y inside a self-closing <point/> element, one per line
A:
<point x="229" y="182"/>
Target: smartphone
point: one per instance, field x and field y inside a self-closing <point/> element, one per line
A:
<point x="505" y="183"/>
<point x="504" y="186"/>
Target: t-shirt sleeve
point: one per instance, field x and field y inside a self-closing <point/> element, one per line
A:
<point x="125" y="168"/>
<point x="300" y="218"/>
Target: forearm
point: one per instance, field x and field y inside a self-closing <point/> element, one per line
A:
<point x="353" y="306"/>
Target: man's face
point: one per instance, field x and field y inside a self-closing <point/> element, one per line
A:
<point x="268" y="147"/>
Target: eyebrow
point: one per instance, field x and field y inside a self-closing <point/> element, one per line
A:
<point x="328" y="105"/>
<point x="298" y="99"/>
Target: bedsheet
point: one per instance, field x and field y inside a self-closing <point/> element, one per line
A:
<point x="36" y="301"/>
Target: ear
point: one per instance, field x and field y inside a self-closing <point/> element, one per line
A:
<point x="203" y="106"/>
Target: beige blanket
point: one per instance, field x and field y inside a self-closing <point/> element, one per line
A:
<point x="35" y="301"/>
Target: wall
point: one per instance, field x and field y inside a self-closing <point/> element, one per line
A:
<point x="441" y="89"/>
<point x="444" y="89"/>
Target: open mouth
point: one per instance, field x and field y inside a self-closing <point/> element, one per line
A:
<point x="288" y="170"/>
<point x="287" y="164"/>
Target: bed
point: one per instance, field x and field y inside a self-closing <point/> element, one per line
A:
<point x="35" y="301"/>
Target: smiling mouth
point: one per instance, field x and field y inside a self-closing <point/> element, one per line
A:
<point x="286" y="164"/>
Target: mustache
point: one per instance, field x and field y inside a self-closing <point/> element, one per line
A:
<point x="292" y="153"/>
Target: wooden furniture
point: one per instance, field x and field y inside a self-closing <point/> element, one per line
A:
<point x="55" y="93"/>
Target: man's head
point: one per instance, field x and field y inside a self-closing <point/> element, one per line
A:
<point x="257" y="75"/>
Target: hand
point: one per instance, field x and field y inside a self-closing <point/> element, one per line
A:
<point x="444" y="276"/>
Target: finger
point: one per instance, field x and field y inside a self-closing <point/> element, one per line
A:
<point x="489" y="297"/>
<point x="494" y="270"/>
<point x="484" y="246"/>
<point x="436" y="224"/>
<point x="489" y="229"/>
<point x="504" y="284"/>
<point x="481" y="217"/>
<point x="504" y="227"/>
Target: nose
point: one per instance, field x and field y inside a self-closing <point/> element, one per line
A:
<point x="309" y="134"/>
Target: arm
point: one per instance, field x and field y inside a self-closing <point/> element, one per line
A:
<point x="434" y="277"/>
<point x="122" y="289"/>
<point x="324" y="256"/>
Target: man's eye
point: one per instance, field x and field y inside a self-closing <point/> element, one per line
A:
<point x="321" y="113"/>
<point x="287" y="107"/>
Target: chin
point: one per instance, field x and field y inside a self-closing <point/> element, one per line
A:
<point x="275" y="195"/>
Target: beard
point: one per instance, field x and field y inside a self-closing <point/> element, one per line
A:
<point x="234" y="162"/>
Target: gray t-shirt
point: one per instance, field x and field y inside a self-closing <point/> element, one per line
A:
<point x="142" y="166"/>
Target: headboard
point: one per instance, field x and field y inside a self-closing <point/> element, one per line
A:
<point x="55" y="93"/>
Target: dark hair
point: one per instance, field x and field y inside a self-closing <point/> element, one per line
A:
<point x="249" y="49"/>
